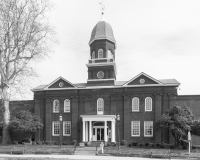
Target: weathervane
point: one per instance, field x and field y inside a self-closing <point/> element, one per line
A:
<point x="102" y="7"/>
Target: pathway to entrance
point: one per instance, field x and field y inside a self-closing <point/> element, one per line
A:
<point x="85" y="151"/>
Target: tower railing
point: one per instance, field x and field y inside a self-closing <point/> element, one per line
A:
<point x="101" y="60"/>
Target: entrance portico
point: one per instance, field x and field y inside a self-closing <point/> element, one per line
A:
<point x="98" y="128"/>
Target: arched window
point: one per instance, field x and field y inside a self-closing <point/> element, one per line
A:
<point x="56" y="106"/>
<point x="109" y="54"/>
<point x="100" y="106"/>
<point x="135" y="104"/>
<point x="93" y="55"/>
<point x="67" y="105"/>
<point x="100" y="53"/>
<point x="148" y="104"/>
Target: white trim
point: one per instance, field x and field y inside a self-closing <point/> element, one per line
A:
<point x="94" y="87"/>
<point x="144" y="74"/>
<point x="54" y="111"/>
<point x="100" y="79"/>
<point x="146" y="104"/>
<point x="47" y="87"/>
<point x="144" y="129"/>
<point x="98" y="117"/>
<point x="100" y="112"/>
<point x="67" y="106"/>
<point x="103" y="64"/>
<point x="132" y="129"/>
<point x="138" y="104"/>
<point x="53" y="128"/>
<point x="99" y="53"/>
<point x="64" y="128"/>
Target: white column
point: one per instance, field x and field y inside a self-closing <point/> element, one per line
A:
<point x="105" y="131"/>
<point x="86" y="131"/>
<point x="113" y="131"/>
<point x="90" y="131"/>
<point x="83" y="131"/>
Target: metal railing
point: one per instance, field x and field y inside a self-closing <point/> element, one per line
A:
<point x="75" y="143"/>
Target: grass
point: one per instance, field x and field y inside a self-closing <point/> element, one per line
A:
<point x="40" y="149"/>
<point x="138" y="151"/>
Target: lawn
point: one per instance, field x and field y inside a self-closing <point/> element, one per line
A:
<point x="40" y="149"/>
<point x="145" y="152"/>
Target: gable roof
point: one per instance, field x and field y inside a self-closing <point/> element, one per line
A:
<point x="54" y="84"/>
<point x="136" y="80"/>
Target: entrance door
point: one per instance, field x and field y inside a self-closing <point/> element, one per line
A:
<point x="100" y="134"/>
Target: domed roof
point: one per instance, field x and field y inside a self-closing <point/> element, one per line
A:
<point x="102" y="30"/>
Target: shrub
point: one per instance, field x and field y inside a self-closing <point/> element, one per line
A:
<point x="162" y="146"/>
<point x="147" y="144"/>
<point x="15" y="142"/>
<point x="152" y="145"/>
<point x="172" y="146"/>
<point x="134" y="143"/>
<point x="39" y="142"/>
<point x="141" y="145"/>
<point x="130" y="145"/>
<point x="123" y="142"/>
<point x="33" y="143"/>
<point x="157" y="145"/>
<point x="185" y="147"/>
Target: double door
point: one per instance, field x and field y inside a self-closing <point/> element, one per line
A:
<point x="98" y="134"/>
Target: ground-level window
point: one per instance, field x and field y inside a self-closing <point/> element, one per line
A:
<point x="66" y="128"/>
<point x="56" y="106"/>
<point x="135" y="128"/>
<point x="67" y="105"/>
<point x="100" y="106"/>
<point x="135" y="104"/>
<point x="148" y="128"/>
<point x="148" y="104"/>
<point x="56" y="128"/>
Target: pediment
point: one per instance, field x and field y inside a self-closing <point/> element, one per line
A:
<point x="60" y="83"/>
<point x="143" y="79"/>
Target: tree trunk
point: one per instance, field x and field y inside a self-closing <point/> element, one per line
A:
<point x="6" y="115"/>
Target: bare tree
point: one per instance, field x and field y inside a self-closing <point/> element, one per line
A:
<point x="25" y="35"/>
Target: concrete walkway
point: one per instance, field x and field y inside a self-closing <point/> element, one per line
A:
<point x="77" y="157"/>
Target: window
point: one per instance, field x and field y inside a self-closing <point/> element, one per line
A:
<point x="100" y="106"/>
<point x="135" y="104"/>
<point x="148" y="128"/>
<point x="148" y="104"/>
<point x="66" y="128"/>
<point x="135" y="128"/>
<point x="100" y="53"/>
<point x="56" y="128"/>
<point x="67" y="105"/>
<point x="93" y="55"/>
<point x="109" y="54"/>
<point x="56" y="106"/>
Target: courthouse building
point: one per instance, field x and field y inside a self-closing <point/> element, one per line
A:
<point x="89" y="110"/>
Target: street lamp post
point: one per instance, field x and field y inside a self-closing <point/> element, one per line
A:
<point x="118" y="120"/>
<point x="60" y="119"/>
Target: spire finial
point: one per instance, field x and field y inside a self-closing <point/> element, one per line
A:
<point x="102" y="9"/>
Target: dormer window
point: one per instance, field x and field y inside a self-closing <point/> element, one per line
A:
<point x="93" y="55"/>
<point x="100" y="53"/>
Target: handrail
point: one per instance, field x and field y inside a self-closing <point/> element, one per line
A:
<point x="75" y="142"/>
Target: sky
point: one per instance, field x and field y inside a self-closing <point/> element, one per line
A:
<point x="158" y="37"/>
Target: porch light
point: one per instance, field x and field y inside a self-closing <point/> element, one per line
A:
<point x="118" y="117"/>
<point x="60" y="118"/>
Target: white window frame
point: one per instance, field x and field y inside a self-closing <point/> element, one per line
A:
<point x="147" y="126"/>
<point x="93" y="55"/>
<point x="100" y="53"/>
<point x="148" y="105"/>
<point x="138" y="123"/>
<point x="100" y="109"/>
<point x="53" y="128"/>
<point x="66" y="125"/>
<point x="138" y="104"/>
<point x="54" y="107"/>
<point x="67" y="105"/>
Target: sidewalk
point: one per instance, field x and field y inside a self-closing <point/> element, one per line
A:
<point x="77" y="157"/>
